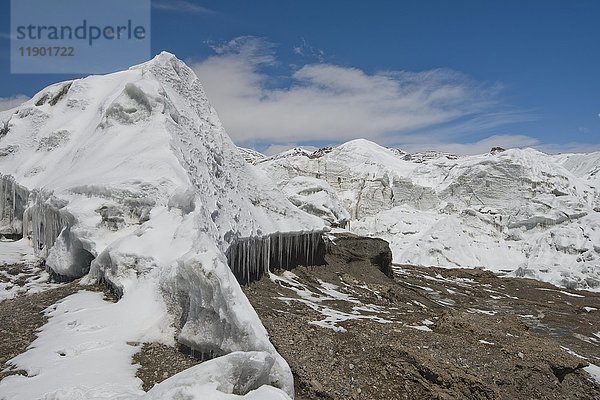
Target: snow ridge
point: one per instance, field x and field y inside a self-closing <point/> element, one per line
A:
<point x="519" y="211"/>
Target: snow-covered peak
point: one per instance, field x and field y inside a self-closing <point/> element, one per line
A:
<point x="250" y="155"/>
<point x="360" y="145"/>
<point x="162" y="58"/>
<point x="150" y="125"/>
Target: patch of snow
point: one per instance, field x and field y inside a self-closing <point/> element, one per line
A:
<point x="563" y="292"/>
<point x="487" y="312"/>
<point x="16" y="252"/>
<point x="18" y="263"/>
<point x="420" y="328"/>
<point x="321" y="302"/>
<point x="594" y="372"/>
<point x="571" y="352"/>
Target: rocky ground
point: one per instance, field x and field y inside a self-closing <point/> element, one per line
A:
<point x="158" y="362"/>
<point x="349" y="331"/>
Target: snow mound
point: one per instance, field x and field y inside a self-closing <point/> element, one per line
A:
<point x="245" y="373"/>
<point x="134" y="171"/>
<point x="519" y="211"/>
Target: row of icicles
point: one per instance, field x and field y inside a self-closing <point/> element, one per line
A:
<point x="251" y="258"/>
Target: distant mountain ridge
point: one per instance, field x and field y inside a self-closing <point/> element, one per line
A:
<point x="519" y="211"/>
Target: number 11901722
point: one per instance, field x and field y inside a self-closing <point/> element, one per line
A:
<point x="51" y="51"/>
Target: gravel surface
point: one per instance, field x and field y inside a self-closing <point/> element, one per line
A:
<point x="159" y="362"/>
<point x="429" y="333"/>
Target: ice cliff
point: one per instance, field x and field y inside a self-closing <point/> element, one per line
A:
<point x="132" y="177"/>
<point x="520" y="211"/>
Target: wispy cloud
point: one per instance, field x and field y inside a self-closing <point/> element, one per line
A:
<point x="475" y="147"/>
<point x="329" y="102"/>
<point x="584" y="129"/>
<point x="306" y="50"/>
<point x="181" y="6"/>
<point x="468" y="148"/>
<point x="6" y="103"/>
<point x="571" y="147"/>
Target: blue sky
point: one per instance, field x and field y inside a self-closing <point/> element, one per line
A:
<point x="456" y="75"/>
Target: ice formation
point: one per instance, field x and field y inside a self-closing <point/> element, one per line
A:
<point x="135" y="171"/>
<point x="13" y="201"/>
<point x="317" y="197"/>
<point x="518" y="211"/>
<point x="241" y="373"/>
<point x="251" y="258"/>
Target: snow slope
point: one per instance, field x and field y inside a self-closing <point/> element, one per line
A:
<point x="134" y="170"/>
<point x="520" y="211"/>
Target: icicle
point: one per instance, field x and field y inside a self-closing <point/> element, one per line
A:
<point x="251" y="258"/>
<point x="13" y="201"/>
<point x="43" y="223"/>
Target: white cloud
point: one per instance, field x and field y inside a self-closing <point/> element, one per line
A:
<point x="477" y="147"/>
<point x="6" y="103"/>
<point x="328" y="102"/>
<point x="572" y="147"/>
<point x="181" y="6"/>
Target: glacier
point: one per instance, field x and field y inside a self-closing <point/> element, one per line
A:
<point x="518" y="212"/>
<point x="132" y="181"/>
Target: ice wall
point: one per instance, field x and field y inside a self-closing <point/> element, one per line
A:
<point x="251" y="258"/>
<point x="316" y="197"/>
<point x="13" y="201"/>
<point x="43" y="222"/>
<point x="519" y="211"/>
